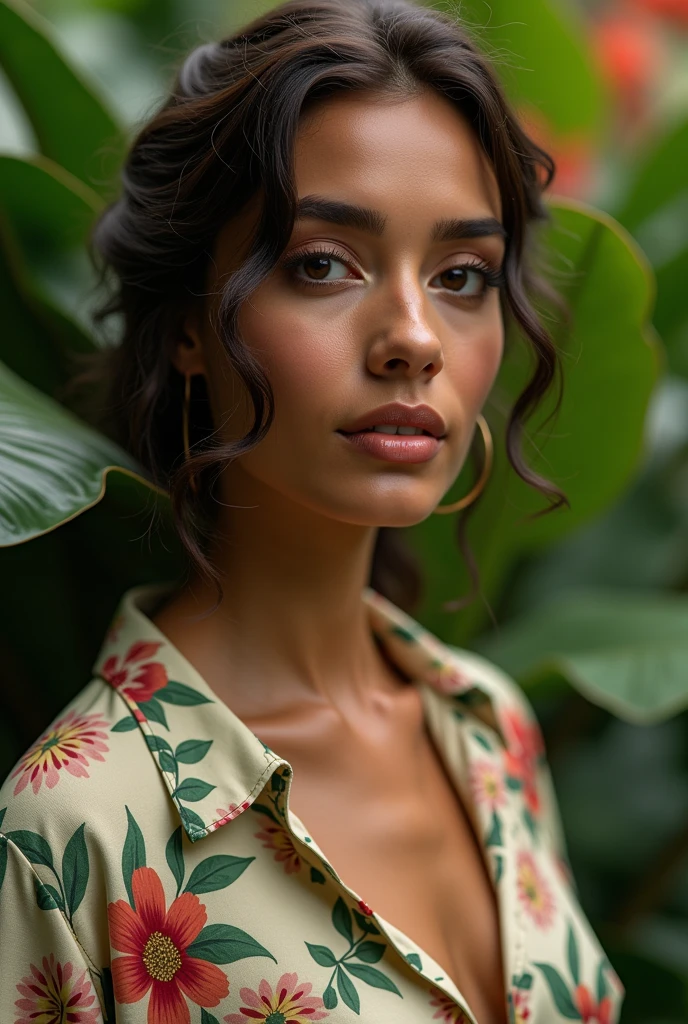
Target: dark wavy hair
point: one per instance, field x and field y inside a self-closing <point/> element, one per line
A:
<point x="225" y="133"/>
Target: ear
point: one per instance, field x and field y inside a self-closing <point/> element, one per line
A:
<point x="187" y="352"/>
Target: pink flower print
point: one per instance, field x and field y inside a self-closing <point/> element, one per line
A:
<point x="448" y="677"/>
<point x="56" y="994"/>
<point x="533" y="891"/>
<point x="290" y="1002"/>
<point x="225" y="815"/>
<point x="136" y="675"/>
<point x="487" y="784"/>
<point x="519" y="1001"/>
<point x="68" y="743"/>
<point x="276" y="837"/>
<point x="524" y="750"/>
<point x="447" y="1010"/>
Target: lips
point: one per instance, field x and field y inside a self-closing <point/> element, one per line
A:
<point x="395" y="414"/>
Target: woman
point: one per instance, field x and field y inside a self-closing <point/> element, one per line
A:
<point x="280" y="799"/>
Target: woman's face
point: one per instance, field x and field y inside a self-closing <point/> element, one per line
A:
<point x="396" y="305"/>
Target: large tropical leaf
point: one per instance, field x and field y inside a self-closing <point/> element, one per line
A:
<point x="72" y="124"/>
<point x="626" y="651"/>
<point x="611" y="361"/>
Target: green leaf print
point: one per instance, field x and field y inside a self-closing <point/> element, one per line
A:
<point x="191" y="751"/>
<point x="262" y="809"/>
<point x="3" y="811"/>
<point x="168" y="764"/>
<point x="207" y="1018"/>
<point x="154" y="711"/>
<point x="108" y="995"/>
<point x="482" y="740"/>
<point x="573" y="956"/>
<point x="47" y="896"/>
<point x="601" y="981"/>
<point x="75" y="870"/>
<point x="371" y="976"/>
<point x="192" y="790"/>
<point x="341" y="919"/>
<point x="524" y="981"/>
<point x="494" y="836"/>
<point x="330" y="998"/>
<point x="179" y="693"/>
<point x="158" y="743"/>
<point x="415" y="961"/>
<point x="133" y="854"/>
<point x="347" y="991"/>
<point x="322" y="955"/>
<point x="3" y="859"/>
<point x="125" y="724"/>
<point x="192" y="820"/>
<point x="34" y="847"/>
<point x="560" y="992"/>
<point x="216" y="873"/>
<point x="403" y="634"/>
<point x="499" y="868"/>
<point x="225" y="944"/>
<point x="317" y="876"/>
<point x="365" y="923"/>
<point x="175" y="857"/>
<point x="370" y="952"/>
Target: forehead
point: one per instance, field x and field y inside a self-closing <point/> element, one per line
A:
<point x="414" y="157"/>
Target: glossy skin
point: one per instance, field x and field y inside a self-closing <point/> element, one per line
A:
<point x="289" y="649"/>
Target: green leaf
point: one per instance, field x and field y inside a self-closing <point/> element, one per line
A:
<point x="75" y="869"/>
<point x="175" y="857"/>
<point x="560" y="992"/>
<point x="34" y="847"/>
<point x="217" y="873"/>
<point x="207" y="1018"/>
<point x="180" y="693"/>
<point x="371" y="976"/>
<point x="133" y="853"/>
<point x="52" y="467"/>
<point x="125" y="724"/>
<point x="499" y="868"/>
<point x="524" y="981"/>
<point x="322" y="955"/>
<point x="370" y="952"/>
<point x="494" y="836"/>
<point x="549" y="66"/>
<point x="414" y="960"/>
<point x="168" y="763"/>
<point x="626" y="652"/>
<point x="30" y="57"/>
<point x="330" y="998"/>
<point x="3" y="859"/>
<point x="341" y="919"/>
<point x="193" y="822"/>
<point x="191" y="751"/>
<point x="659" y="178"/>
<point x="574" y="962"/>
<point x="3" y="812"/>
<point x="154" y="711"/>
<point x="482" y="740"/>
<point x="601" y="981"/>
<point x="347" y="991"/>
<point x="317" y="876"/>
<point x="365" y="923"/>
<point x="267" y="811"/>
<point x="47" y="896"/>
<point x="225" y="944"/>
<point x="191" y="790"/>
<point x="611" y="360"/>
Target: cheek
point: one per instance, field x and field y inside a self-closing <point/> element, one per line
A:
<point x="473" y="358"/>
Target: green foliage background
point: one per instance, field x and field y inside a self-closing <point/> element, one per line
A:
<point x="587" y="608"/>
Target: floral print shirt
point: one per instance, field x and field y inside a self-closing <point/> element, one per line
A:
<point x="152" y="872"/>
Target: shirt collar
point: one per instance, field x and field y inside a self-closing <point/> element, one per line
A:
<point x="213" y="765"/>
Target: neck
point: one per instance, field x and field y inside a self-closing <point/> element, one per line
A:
<point x="292" y="626"/>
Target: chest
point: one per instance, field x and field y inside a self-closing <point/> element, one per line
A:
<point x="396" y="832"/>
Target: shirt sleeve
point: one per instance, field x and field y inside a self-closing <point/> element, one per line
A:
<point x="44" y="968"/>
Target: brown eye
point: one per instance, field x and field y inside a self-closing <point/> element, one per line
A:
<point x="467" y="280"/>
<point x="455" y="278"/>
<point x="317" y="267"/>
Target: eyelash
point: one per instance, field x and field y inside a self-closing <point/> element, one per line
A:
<point x="494" y="278"/>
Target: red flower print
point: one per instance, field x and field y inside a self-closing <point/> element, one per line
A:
<point x="591" y="1011"/>
<point x="156" y="942"/>
<point x="290" y="1002"/>
<point x="55" y="995"/>
<point x="364" y="908"/>
<point x="533" y="891"/>
<point x="487" y="784"/>
<point x="277" y="838"/>
<point x="447" y="1010"/>
<point x="68" y="743"/>
<point x="136" y="675"/>
<point x="225" y="815"/>
<point x="524" y="750"/>
<point x="519" y="1001"/>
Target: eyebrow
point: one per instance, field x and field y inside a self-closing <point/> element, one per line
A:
<point x="348" y="215"/>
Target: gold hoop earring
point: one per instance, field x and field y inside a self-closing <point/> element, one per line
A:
<point x="487" y="468"/>
<point x="185" y="428"/>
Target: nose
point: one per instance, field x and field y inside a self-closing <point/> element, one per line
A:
<point x="404" y="344"/>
